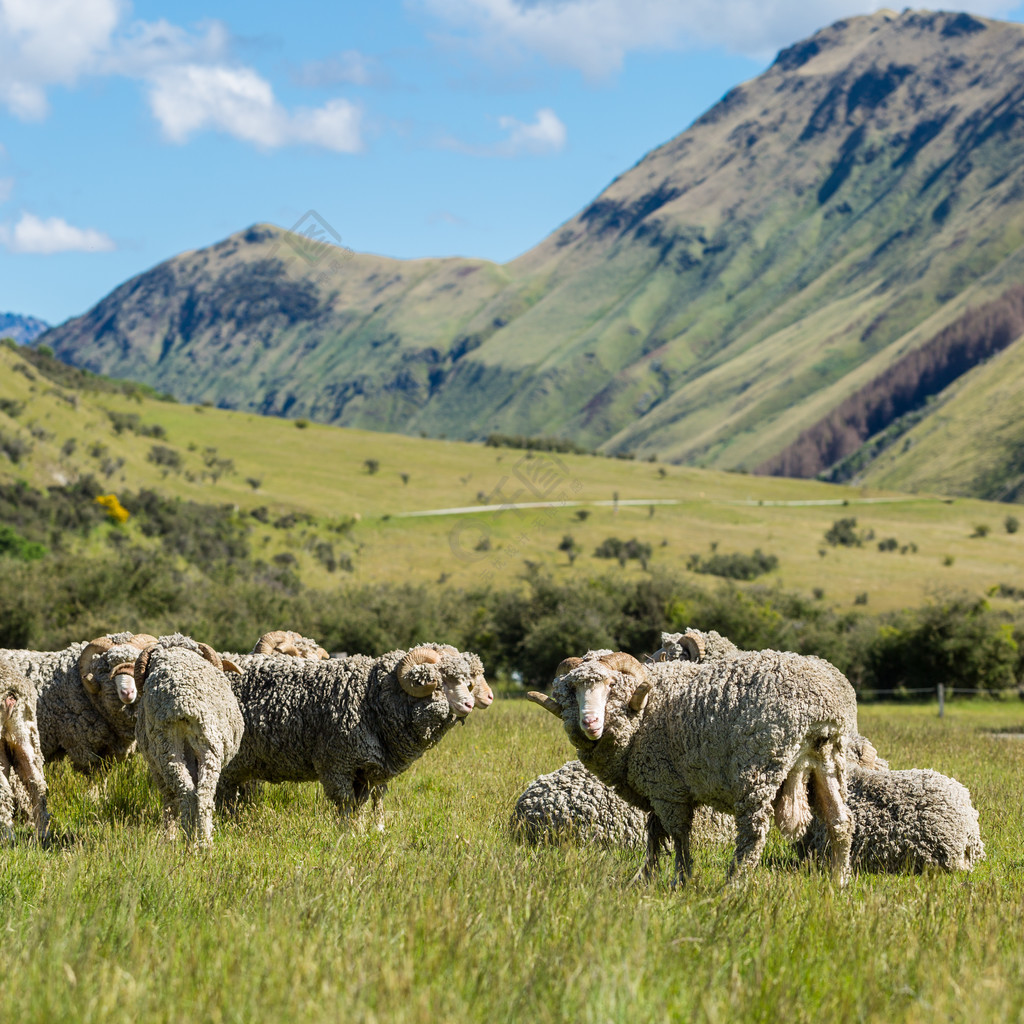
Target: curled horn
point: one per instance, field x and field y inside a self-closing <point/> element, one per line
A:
<point x="417" y="656"/>
<point x="629" y="666"/>
<point x="269" y="641"/>
<point x="142" y="666"/>
<point x="322" y="654"/>
<point x="211" y="656"/>
<point x="693" y="644"/>
<point x="566" y="666"/>
<point x="549" y="703"/>
<point x="142" y="640"/>
<point x="92" y="649"/>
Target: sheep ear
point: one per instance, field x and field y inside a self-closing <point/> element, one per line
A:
<point x="230" y="666"/>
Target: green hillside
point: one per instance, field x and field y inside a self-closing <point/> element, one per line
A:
<point x="295" y="489"/>
<point x="715" y="301"/>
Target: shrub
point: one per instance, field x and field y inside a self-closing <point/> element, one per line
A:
<point x="13" y="545"/>
<point x="114" y="509"/>
<point x="1011" y="524"/>
<point x="11" y="407"/>
<point x="889" y="544"/>
<point x="981" y="530"/>
<point x="569" y="546"/>
<point x="843" y="532"/>
<point x="169" y="458"/>
<point x="624" y="550"/>
<point x="735" y="566"/>
<point x="14" y="447"/>
<point x="371" y="466"/>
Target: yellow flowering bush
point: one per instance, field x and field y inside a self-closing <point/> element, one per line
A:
<point x="117" y="512"/>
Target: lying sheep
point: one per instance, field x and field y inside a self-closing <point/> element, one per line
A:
<point x="20" y="754"/>
<point x="744" y="736"/>
<point x="906" y="821"/>
<point x="573" y="803"/>
<point x="84" y="697"/>
<point x="188" y="726"/>
<point x="353" y="723"/>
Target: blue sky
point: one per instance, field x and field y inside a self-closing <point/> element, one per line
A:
<point x="132" y="132"/>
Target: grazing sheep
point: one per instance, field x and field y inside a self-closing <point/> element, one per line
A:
<point x="85" y="694"/>
<point x="188" y="726"/>
<point x="353" y="723"/>
<point x="20" y="756"/>
<point x="743" y="736"/>
<point x="572" y="803"/>
<point x="906" y="821"/>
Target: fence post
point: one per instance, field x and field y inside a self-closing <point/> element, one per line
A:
<point x="942" y="700"/>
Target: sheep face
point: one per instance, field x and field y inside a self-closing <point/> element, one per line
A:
<point x="457" y="681"/>
<point x="483" y="695"/>
<point x="591" y="685"/>
<point x="110" y="678"/>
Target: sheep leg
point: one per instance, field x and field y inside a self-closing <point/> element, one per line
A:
<point x="377" y="802"/>
<point x="32" y="778"/>
<point x="753" y="820"/>
<point x="656" y="836"/>
<point x="182" y="786"/>
<point x="677" y="821"/>
<point x="6" y="802"/>
<point x="340" y="790"/>
<point x="207" y="774"/>
<point x="828" y="791"/>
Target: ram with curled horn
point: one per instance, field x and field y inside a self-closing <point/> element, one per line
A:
<point x="290" y="643"/>
<point x="85" y="707"/>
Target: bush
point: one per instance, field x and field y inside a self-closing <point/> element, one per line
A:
<point x="981" y="530"/>
<point x="14" y="447"/>
<point x="889" y="544"/>
<point x="1011" y="524"/>
<point x="843" y="532"/>
<point x="169" y="458"/>
<point x="624" y="550"/>
<point x="735" y="566"/>
<point x="13" y="545"/>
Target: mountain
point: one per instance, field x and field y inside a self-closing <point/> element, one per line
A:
<point x="715" y="305"/>
<point x="22" y="329"/>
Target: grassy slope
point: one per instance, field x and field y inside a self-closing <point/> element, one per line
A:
<point x="445" y="918"/>
<point x="321" y="470"/>
<point x="716" y="299"/>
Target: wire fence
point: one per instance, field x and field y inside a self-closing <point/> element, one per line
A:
<point x="922" y="693"/>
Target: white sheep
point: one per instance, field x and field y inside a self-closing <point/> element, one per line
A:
<point x="573" y="803"/>
<point x="904" y="820"/>
<point x="85" y="694"/>
<point x="188" y="726"/>
<point x="20" y="755"/>
<point x="743" y="736"/>
<point x="352" y="723"/>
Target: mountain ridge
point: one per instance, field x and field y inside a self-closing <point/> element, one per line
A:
<point x="713" y="302"/>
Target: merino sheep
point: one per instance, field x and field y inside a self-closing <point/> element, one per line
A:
<point x="289" y="643"/>
<point x="188" y="726"/>
<point x="85" y="694"/>
<point x="743" y="736"/>
<point x="20" y="754"/>
<point x="573" y="803"/>
<point x="906" y="821"/>
<point x="353" y="723"/>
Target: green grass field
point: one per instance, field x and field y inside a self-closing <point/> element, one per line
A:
<point x="323" y="471"/>
<point x="444" y="917"/>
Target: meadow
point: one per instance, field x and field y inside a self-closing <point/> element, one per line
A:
<point x="445" y="917"/>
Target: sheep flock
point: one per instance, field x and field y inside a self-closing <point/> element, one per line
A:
<point x="704" y="743"/>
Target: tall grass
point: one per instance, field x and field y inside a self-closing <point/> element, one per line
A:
<point x="445" y="917"/>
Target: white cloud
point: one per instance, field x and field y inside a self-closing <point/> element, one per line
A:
<point x="32" y="234"/>
<point x="545" y="135"/>
<point x="236" y="100"/>
<point x="595" y="35"/>
<point x="192" y="84"/>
